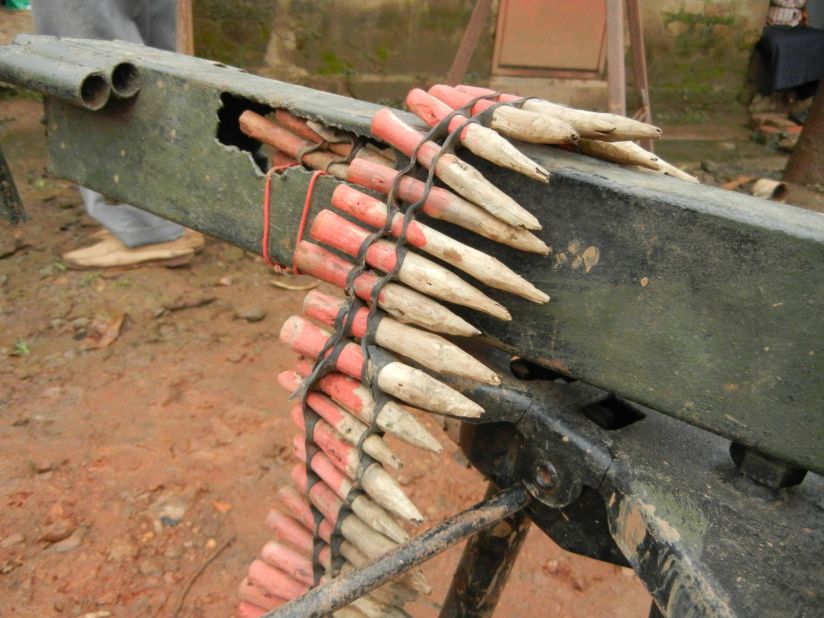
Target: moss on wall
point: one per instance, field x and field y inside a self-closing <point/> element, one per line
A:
<point x="372" y="49"/>
<point x="697" y="50"/>
<point x="234" y="32"/>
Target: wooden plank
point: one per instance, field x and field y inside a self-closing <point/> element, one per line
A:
<point x="639" y="66"/>
<point x="616" y="72"/>
<point x="554" y="34"/>
<point x="185" y="28"/>
<point x="480" y="14"/>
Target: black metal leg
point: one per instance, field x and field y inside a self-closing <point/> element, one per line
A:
<point x="11" y="208"/>
<point x="485" y="565"/>
<point x="346" y="588"/>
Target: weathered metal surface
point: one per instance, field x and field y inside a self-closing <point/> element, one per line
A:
<point x="346" y="588"/>
<point x="11" y="207"/>
<point x="115" y="67"/>
<point x="484" y="569"/>
<point x="78" y="84"/>
<point x="701" y="303"/>
<point x="706" y="540"/>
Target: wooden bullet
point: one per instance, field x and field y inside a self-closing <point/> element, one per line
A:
<point x="372" y="608"/>
<point x="346" y="425"/>
<point x="296" y="504"/>
<point x="274" y="581"/>
<point x="457" y="174"/>
<point x="264" y="130"/>
<point x="359" y="534"/>
<point x="511" y="121"/>
<point x="480" y="140"/>
<point x="248" y="610"/>
<point x="279" y="158"/>
<point x="625" y="153"/>
<point x="428" y="349"/>
<point x="292" y="532"/>
<point x="289" y="530"/>
<point x="376" y="481"/>
<point x="325" y="499"/>
<point x="395" y="378"/>
<point x="397" y="300"/>
<point x="341" y="145"/>
<point x="352" y="527"/>
<point x="596" y="125"/>
<point x="363" y="506"/>
<point x="357" y="398"/>
<point x="445" y="205"/>
<point x="257" y="596"/>
<point x="369" y="151"/>
<point x="630" y="153"/>
<point x="294" y="564"/>
<point x="298" y="566"/>
<point x="483" y="267"/>
<point x="348" y="612"/>
<point x="416" y="271"/>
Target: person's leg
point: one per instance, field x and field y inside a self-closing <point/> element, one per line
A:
<point x="108" y="19"/>
<point x="86" y="19"/>
<point x="134" y="227"/>
<point x="159" y="24"/>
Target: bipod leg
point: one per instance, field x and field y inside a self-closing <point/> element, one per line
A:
<point x="11" y="208"/>
<point x="485" y="566"/>
<point x="346" y="588"/>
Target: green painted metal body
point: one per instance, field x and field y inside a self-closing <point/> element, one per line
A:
<point x="703" y="304"/>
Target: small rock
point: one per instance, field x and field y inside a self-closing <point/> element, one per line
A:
<point x="167" y="511"/>
<point x="13" y="539"/>
<point x="250" y="313"/>
<point x="173" y="552"/>
<point x="169" y="521"/>
<point x="122" y="550"/>
<point x="709" y="166"/>
<point x="101" y="613"/>
<point x="224" y="281"/>
<point x="57" y="531"/>
<point x="74" y="541"/>
<point x="80" y="323"/>
<point x="236" y="357"/>
<point x="211" y="544"/>
<point x="149" y="568"/>
<point x="43" y="466"/>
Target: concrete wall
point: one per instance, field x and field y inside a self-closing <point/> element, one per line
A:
<point x="371" y="49"/>
<point x="697" y="50"/>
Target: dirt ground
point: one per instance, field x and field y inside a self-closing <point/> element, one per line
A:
<point x="144" y="433"/>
